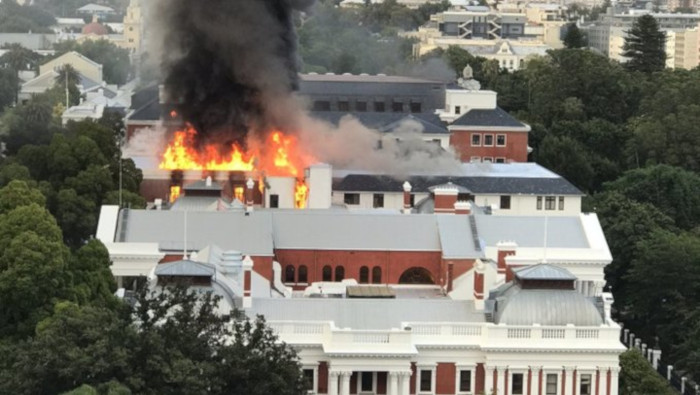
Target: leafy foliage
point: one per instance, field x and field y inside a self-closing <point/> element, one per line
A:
<point x="637" y="377"/>
<point x="114" y="60"/>
<point x="645" y="46"/>
<point x="575" y="38"/>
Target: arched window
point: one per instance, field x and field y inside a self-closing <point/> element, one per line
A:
<point x="376" y="275"/>
<point x="327" y="274"/>
<point x="339" y="273"/>
<point x="289" y="274"/>
<point x="364" y="275"/>
<point x="303" y="274"/>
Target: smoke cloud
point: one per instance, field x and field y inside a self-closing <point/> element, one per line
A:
<point x="229" y="66"/>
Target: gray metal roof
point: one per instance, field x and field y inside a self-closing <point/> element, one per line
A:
<point x="517" y="306"/>
<point x="201" y="185"/>
<point x="562" y="232"/>
<point x="367" y="313"/>
<point x="456" y="237"/>
<point x="230" y="230"/>
<point x="375" y="78"/>
<point x="386" y="121"/>
<point x="495" y="117"/>
<point x="184" y="268"/>
<point x="195" y="203"/>
<point x="350" y="231"/>
<point x="543" y="272"/>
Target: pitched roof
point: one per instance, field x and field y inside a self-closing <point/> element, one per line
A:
<point x="184" y="268"/>
<point x="95" y="8"/>
<point x="347" y="77"/>
<point x="486" y="117"/>
<point x="543" y="272"/>
<point x="457" y="239"/>
<point x="386" y="121"/>
<point x="148" y="112"/>
<point x="562" y="231"/>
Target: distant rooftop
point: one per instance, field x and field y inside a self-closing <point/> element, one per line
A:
<point x="330" y="77"/>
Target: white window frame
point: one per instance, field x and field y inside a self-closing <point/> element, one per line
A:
<point x="313" y="367"/>
<point x="500" y="159"/>
<point x="545" y="372"/>
<point x="458" y="369"/>
<point x="419" y="372"/>
<point x="475" y="159"/>
<point x="471" y="139"/>
<point x="487" y="159"/>
<point x="374" y="382"/>
<point x="582" y="372"/>
<point x="493" y="141"/>
<point x="505" y="140"/>
<point x="511" y="372"/>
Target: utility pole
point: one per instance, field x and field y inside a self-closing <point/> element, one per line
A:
<point x="65" y="71"/>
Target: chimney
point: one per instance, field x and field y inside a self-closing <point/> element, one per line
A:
<point x="479" y="293"/>
<point x="463" y="208"/>
<point x="407" y="197"/>
<point x="445" y="198"/>
<point x="505" y="248"/>
<point x="247" y="282"/>
<point x="249" y="185"/>
<point x="208" y="181"/>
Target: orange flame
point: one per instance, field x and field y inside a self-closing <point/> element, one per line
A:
<point x="181" y="155"/>
<point x="301" y="192"/>
<point x="175" y="191"/>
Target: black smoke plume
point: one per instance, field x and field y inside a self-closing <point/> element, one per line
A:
<point x="228" y="64"/>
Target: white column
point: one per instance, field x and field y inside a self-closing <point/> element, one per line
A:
<point x="405" y="384"/>
<point x="603" y="380"/>
<point x="614" y="372"/>
<point x="345" y="383"/>
<point x="488" y="379"/>
<point x="501" y="380"/>
<point x="332" y="383"/>
<point x="393" y="384"/>
<point x="535" y="379"/>
<point x="569" y="384"/>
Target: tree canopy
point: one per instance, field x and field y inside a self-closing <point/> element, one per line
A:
<point x="645" y="46"/>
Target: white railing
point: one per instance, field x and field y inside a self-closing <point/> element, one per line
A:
<point x="470" y="334"/>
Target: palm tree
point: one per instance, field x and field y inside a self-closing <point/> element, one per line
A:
<point x="69" y="78"/>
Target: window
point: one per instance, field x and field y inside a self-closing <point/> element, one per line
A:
<point x="487" y="159"/>
<point x="396" y="106"/>
<point x="517" y="388"/>
<point x="488" y="140"/>
<point x="585" y="387"/>
<point x="551" y="387"/>
<point x="364" y="275"/>
<point x="274" y="201"/>
<point x="475" y="159"/>
<point x="501" y="140"/>
<point x="412" y="200"/>
<point x="476" y="140"/>
<point x="539" y="202"/>
<point x="303" y="274"/>
<point x="327" y="273"/>
<point x="343" y="106"/>
<point x="378" y="200"/>
<point x="415" y="107"/>
<point x="309" y="379"/>
<point x="550" y="203"/>
<point x="426" y="380"/>
<point x="289" y="274"/>
<point x="377" y="275"/>
<point x="339" y="273"/>
<point x="322" y="105"/>
<point x="366" y="381"/>
<point x="505" y="202"/>
<point x="458" y="110"/>
<point x="379" y="106"/>
<point x="465" y="381"/>
<point x="352" y="198"/>
<point x="500" y="160"/>
<point x="561" y="202"/>
<point x="361" y="106"/>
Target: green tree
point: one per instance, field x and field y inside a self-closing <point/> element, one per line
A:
<point x="637" y="377"/>
<point x="115" y="61"/>
<point x="9" y="88"/>
<point x="567" y="158"/>
<point x="17" y="193"/>
<point x="645" y="46"/>
<point x="574" y="37"/>
<point x="93" y="282"/>
<point x="11" y="171"/>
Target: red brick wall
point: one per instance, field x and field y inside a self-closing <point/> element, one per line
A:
<point x="323" y="377"/>
<point x="515" y="149"/>
<point x="445" y="378"/>
<point x="479" y="379"/>
<point x="460" y="266"/>
<point x="445" y="203"/>
<point x="392" y="263"/>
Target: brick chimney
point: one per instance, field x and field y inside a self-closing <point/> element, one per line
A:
<point x="505" y="248"/>
<point x="479" y="287"/>
<point x="463" y="208"/>
<point x="445" y="198"/>
<point x="407" y="197"/>
<point x="247" y="282"/>
<point x="249" y="185"/>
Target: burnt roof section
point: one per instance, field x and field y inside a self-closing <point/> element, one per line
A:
<point x="386" y="121"/>
<point x="494" y="117"/>
<point x="478" y="185"/>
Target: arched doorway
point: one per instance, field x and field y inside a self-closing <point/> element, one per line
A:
<point x="416" y="275"/>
